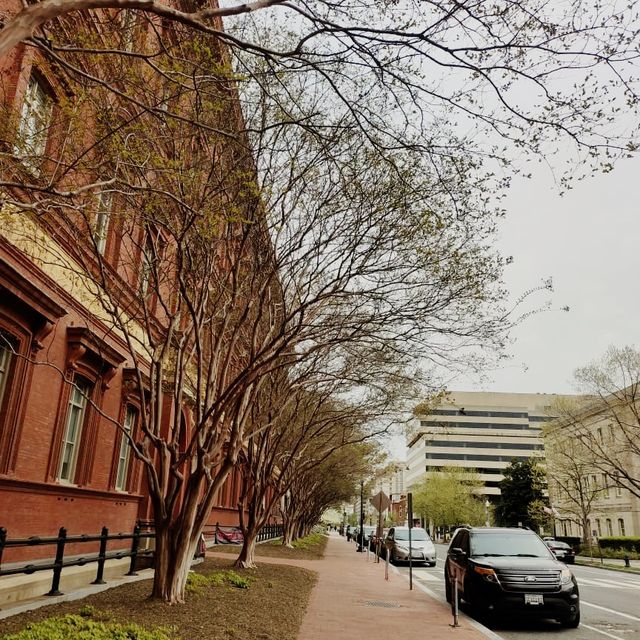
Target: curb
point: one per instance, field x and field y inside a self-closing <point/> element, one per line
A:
<point x="79" y="594"/>
<point x="432" y="594"/>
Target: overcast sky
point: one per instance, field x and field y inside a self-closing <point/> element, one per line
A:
<point x="587" y="241"/>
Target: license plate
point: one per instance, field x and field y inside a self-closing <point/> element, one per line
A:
<point x="533" y="598"/>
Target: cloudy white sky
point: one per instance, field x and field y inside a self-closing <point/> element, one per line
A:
<point x="588" y="242"/>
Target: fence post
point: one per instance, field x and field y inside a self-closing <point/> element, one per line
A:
<point x="3" y="541"/>
<point x="135" y="543"/>
<point x="57" y="570"/>
<point x="215" y="534"/>
<point x="102" y="556"/>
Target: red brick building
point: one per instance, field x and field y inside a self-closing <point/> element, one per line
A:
<point x="64" y="373"/>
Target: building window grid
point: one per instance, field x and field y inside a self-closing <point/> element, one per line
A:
<point x="124" y="454"/>
<point x="33" y="127"/>
<point x="474" y="457"/>
<point x="73" y="429"/>
<point x="471" y="444"/>
<point x="609" y="527"/>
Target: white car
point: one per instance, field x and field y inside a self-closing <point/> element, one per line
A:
<point x="422" y="549"/>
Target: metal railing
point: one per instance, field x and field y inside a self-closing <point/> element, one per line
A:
<point x="62" y="540"/>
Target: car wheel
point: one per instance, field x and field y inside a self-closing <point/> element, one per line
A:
<point x="571" y="622"/>
<point x="392" y="557"/>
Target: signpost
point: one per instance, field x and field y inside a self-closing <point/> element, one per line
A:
<point x="381" y="502"/>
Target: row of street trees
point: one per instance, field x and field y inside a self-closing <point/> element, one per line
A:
<point x="301" y="226"/>
<point x="453" y="497"/>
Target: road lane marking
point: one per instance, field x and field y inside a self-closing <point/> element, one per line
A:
<point x="617" y="613"/>
<point x="598" y="583"/>
<point x="428" y="576"/>
<point x="620" y="583"/>
<point x="604" y="633"/>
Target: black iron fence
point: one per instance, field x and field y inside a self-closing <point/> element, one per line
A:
<point x="60" y="562"/>
<point x="270" y="531"/>
<point x="144" y="529"/>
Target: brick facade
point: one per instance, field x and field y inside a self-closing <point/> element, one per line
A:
<point x="50" y="336"/>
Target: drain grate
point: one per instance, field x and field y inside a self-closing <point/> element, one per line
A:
<point x="382" y="604"/>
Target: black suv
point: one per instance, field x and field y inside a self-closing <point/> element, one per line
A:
<point x="513" y="571"/>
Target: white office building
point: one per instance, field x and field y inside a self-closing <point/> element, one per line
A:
<point x="478" y="431"/>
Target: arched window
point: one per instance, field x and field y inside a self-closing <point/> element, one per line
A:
<point x="621" y="530"/>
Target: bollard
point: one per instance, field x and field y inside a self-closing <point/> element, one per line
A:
<point x="454" y="605"/>
<point x="57" y="569"/>
<point x="626" y="562"/>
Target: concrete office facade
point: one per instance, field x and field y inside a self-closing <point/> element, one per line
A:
<point x="479" y="431"/>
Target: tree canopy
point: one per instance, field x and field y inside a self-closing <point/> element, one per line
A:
<point x="449" y="498"/>
<point x="522" y="487"/>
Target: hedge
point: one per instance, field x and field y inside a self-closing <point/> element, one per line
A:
<point x="627" y="543"/>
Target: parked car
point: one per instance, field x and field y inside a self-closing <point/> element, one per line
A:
<point x="422" y="549"/>
<point x="510" y="571"/>
<point x="368" y="530"/>
<point x="561" y="550"/>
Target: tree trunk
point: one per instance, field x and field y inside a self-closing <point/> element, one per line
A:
<point x="288" y="531"/>
<point x="173" y="557"/>
<point x="246" y="559"/>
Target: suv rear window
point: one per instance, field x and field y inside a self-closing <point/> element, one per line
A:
<point x="508" y="544"/>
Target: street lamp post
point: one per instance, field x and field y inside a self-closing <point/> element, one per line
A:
<point x="486" y="513"/>
<point x="361" y="530"/>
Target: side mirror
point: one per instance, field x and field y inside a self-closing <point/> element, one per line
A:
<point x="457" y="551"/>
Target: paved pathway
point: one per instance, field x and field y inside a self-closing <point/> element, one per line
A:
<point x="353" y="600"/>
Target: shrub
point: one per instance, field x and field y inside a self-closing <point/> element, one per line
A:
<point x="237" y="580"/>
<point x="308" y="541"/>
<point x="73" y="627"/>
<point x="627" y="543"/>
<point x="198" y="582"/>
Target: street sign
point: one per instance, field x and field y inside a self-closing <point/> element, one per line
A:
<point x="380" y="501"/>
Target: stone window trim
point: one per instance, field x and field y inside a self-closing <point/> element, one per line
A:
<point x="93" y="359"/>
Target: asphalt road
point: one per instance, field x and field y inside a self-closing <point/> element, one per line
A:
<point x="609" y="604"/>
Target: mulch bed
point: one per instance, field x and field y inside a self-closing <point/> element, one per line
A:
<point x="275" y="549"/>
<point x="271" y="608"/>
